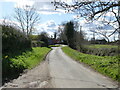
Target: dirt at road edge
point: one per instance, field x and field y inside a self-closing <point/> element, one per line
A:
<point x="38" y="77"/>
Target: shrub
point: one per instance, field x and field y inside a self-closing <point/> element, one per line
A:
<point x="13" y="40"/>
<point x="102" y="51"/>
<point x="37" y="43"/>
<point x="43" y="37"/>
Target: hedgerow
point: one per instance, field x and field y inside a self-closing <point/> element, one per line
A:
<point x="13" y="40"/>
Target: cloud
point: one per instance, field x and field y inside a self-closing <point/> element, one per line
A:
<point x="82" y="21"/>
<point x="48" y="12"/>
<point x="51" y="23"/>
<point x="47" y="8"/>
<point x="21" y="3"/>
<point x="94" y="25"/>
<point x="42" y="6"/>
<point x="87" y="27"/>
<point x="26" y="0"/>
<point x="9" y="22"/>
<point x="24" y="3"/>
<point x="50" y="27"/>
<point x="76" y="16"/>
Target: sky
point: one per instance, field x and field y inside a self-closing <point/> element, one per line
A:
<point x="50" y="18"/>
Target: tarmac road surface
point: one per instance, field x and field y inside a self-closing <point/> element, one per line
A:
<point x="67" y="73"/>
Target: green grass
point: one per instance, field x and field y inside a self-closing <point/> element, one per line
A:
<point x="104" y="64"/>
<point x="54" y="45"/>
<point x="31" y="58"/>
<point x="12" y="67"/>
<point x="102" y="46"/>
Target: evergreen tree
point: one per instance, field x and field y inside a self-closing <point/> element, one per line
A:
<point x="69" y="32"/>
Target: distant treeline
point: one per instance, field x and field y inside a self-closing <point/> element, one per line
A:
<point x="76" y="40"/>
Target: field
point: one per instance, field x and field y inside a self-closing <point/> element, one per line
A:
<point x="107" y="65"/>
<point x="54" y="45"/>
<point x="102" y="46"/>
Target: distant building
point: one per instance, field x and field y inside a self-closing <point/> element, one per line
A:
<point x="98" y="41"/>
<point x="50" y="42"/>
<point x="53" y="41"/>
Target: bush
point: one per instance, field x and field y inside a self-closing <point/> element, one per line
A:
<point x="37" y="43"/>
<point x="13" y="40"/>
<point x="101" y="51"/>
<point x="43" y="37"/>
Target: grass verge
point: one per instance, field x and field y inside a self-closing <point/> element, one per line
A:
<point x="12" y="67"/>
<point x="54" y="45"/>
<point x="107" y="65"/>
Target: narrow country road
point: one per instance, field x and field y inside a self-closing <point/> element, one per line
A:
<point x="60" y="71"/>
<point x="67" y="73"/>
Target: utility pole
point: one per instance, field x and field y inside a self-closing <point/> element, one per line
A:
<point x="94" y="36"/>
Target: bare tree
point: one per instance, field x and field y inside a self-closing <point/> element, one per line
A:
<point x="28" y="18"/>
<point x="61" y="33"/>
<point x="102" y="29"/>
<point x="92" y="10"/>
<point x="7" y="21"/>
<point x="103" y="33"/>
